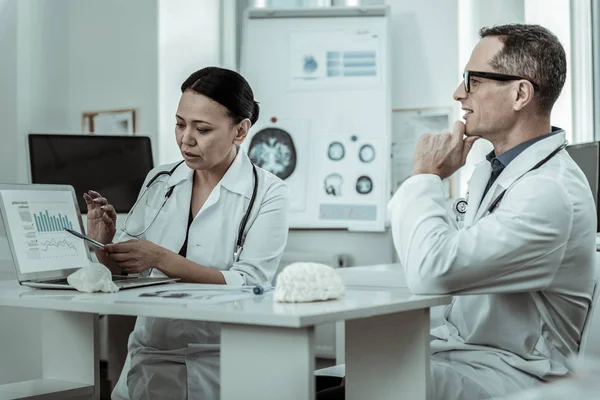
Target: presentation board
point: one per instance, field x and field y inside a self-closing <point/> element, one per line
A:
<point x="322" y="78"/>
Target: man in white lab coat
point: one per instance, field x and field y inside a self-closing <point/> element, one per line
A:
<point x="521" y="263"/>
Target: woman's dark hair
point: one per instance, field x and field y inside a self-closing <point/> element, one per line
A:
<point x="227" y="88"/>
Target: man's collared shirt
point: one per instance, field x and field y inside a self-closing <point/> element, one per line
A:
<point x="500" y="162"/>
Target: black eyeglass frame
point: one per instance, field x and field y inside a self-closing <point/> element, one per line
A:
<point x="467" y="75"/>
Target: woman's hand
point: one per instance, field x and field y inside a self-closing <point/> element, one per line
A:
<point x="101" y="217"/>
<point x="135" y="256"/>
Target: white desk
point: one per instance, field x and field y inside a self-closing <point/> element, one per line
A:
<point x="267" y="349"/>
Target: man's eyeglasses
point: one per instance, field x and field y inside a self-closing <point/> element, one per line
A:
<point x="467" y="75"/>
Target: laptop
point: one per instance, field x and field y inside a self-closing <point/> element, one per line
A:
<point x="44" y="254"/>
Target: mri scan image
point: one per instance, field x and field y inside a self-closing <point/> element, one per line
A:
<point x="333" y="184"/>
<point x="366" y="153"/>
<point x="273" y="149"/>
<point x="310" y="64"/>
<point x="336" y="151"/>
<point x="364" y="185"/>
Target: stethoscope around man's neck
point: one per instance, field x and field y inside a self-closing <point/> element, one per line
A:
<point x="460" y="205"/>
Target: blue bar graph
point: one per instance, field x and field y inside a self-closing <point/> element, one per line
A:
<point x="45" y="222"/>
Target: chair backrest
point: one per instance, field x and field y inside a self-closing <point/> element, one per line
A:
<point x="590" y="337"/>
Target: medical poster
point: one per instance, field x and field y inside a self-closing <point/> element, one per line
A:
<point x="409" y="125"/>
<point x="350" y="172"/>
<point x="323" y="83"/>
<point x="281" y="146"/>
<point x="328" y="59"/>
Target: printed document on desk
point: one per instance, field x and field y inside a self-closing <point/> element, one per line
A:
<point x="191" y="293"/>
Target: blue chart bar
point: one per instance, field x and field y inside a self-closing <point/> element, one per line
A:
<point x="46" y="222"/>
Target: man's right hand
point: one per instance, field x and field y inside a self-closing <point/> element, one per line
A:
<point x="444" y="153"/>
<point x="101" y="217"/>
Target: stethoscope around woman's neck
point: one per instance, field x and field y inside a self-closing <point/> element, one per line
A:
<point x="460" y="206"/>
<point x="241" y="237"/>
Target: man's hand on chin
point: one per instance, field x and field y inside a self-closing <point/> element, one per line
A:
<point x="443" y="153"/>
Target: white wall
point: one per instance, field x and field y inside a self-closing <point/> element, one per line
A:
<point x="43" y="64"/>
<point x="554" y="15"/>
<point x="32" y="66"/>
<point x="476" y="14"/>
<point x="42" y="72"/>
<point x="113" y="57"/>
<point x="425" y="52"/>
<point x="8" y="113"/>
<point x="188" y="40"/>
<point x="8" y="90"/>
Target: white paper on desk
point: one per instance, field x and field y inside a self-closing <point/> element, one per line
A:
<point x="188" y="293"/>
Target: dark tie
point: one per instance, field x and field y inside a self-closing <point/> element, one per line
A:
<point x="497" y="168"/>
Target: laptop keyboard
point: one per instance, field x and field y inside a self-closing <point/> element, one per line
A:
<point x="55" y="281"/>
<point x="60" y="281"/>
<point x="149" y="279"/>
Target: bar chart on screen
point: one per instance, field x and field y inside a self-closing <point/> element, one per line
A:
<point x="43" y="225"/>
<point x="46" y="222"/>
<point x="38" y="221"/>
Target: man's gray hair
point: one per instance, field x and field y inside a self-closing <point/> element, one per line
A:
<point x="535" y="53"/>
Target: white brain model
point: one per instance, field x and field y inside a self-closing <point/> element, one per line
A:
<point x="305" y="281"/>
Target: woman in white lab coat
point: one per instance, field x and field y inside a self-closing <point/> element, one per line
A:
<point x="193" y="235"/>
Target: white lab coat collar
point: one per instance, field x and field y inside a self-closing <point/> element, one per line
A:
<point x="235" y="179"/>
<point x="181" y="173"/>
<point x="519" y="166"/>
<point x="239" y="177"/>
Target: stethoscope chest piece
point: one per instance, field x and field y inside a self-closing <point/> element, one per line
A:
<point x="460" y="207"/>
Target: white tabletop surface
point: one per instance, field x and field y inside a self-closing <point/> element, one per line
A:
<point x="247" y="309"/>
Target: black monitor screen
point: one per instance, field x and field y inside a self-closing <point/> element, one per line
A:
<point x="114" y="166"/>
<point x="585" y="156"/>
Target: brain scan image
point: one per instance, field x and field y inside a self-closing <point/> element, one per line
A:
<point x="366" y="153"/>
<point x="310" y="64"/>
<point x="273" y="149"/>
<point x="333" y="184"/>
<point x="364" y="185"/>
<point x="336" y="151"/>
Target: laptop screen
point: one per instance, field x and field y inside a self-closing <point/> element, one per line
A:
<point x="35" y="222"/>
